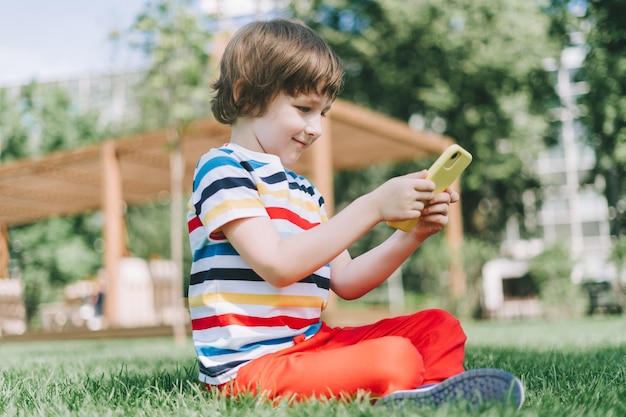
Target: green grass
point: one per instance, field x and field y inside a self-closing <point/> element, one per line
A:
<point x="570" y="368"/>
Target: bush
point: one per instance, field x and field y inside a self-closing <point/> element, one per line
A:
<point x="559" y="296"/>
<point x="429" y="268"/>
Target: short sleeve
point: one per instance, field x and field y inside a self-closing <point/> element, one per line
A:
<point x="224" y="191"/>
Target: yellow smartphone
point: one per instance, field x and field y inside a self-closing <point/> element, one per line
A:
<point x="443" y="172"/>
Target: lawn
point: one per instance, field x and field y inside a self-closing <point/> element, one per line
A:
<point x="570" y="368"/>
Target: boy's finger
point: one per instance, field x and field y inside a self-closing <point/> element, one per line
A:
<point x="454" y="196"/>
<point x="418" y="175"/>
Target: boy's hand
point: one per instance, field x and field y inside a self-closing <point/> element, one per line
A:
<point x="404" y="197"/>
<point x="435" y="214"/>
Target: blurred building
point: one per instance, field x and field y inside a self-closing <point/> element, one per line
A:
<point x="573" y="210"/>
<point x="231" y="15"/>
<point x="574" y="207"/>
<point x="111" y="96"/>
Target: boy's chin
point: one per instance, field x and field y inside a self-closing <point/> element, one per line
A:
<point x="289" y="160"/>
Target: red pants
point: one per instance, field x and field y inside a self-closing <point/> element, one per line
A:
<point x="390" y="355"/>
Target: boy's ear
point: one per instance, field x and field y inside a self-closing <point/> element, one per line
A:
<point x="237" y="91"/>
<point x="243" y="107"/>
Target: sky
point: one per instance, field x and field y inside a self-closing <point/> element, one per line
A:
<point x="47" y="40"/>
<point x="58" y="39"/>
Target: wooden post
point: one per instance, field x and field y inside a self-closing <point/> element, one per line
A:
<point x="177" y="173"/>
<point x="322" y="166"/>
<point x="114" y="241"/>
<point x="4" y="251"/>
<point x="454" y="234"/>
<point x="322" y="173"/>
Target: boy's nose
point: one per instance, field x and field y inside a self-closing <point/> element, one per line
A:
<point x="314" y="128"/>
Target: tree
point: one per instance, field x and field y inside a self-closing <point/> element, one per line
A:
<point x="41" y="119"/>
<point x="176" y="41"/>
<point x="605" y="103"/>
<point x="469" y="69"/>
<point x="173" y="93"/>
<point x="54" y="252"/>
<point x="13" y="134"/>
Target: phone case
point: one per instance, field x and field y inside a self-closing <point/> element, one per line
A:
<point x="443" y="172"/>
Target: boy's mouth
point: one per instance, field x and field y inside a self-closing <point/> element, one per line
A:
<point x="303" y="143"/>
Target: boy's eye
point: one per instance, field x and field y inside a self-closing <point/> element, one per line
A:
<point x="304" y="109"/>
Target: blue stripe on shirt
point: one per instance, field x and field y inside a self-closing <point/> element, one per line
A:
<point x="223" y="184"/>
<point x="238" y="274"/>
<point x="216" y="249"/>
<point x="221" y="161"/>
<point x="212" y="351"/>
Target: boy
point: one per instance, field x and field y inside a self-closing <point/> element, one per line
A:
<point x="266" y="255"/>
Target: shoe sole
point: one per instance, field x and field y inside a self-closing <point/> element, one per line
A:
<point x="476" y="388"/>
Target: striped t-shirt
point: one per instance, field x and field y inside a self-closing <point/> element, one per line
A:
<point x="235" y="315"/>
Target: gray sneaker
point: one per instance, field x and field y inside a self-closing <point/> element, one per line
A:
<point x="478" y="387"/>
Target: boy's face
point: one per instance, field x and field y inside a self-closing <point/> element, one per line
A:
<point x="289" y="126"/>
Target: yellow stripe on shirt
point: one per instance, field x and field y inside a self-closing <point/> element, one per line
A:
<point x="284" y="194"/>
<point x="274" y="300"/>
<point x="230" y="205"/>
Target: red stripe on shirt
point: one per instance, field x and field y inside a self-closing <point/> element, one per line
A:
<point x="194" y="223"/>
<point x="285" y="214"/>
<point x="205" y="323"/>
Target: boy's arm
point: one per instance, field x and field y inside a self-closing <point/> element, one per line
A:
<point x="352" y="278"/>
<point x="284" y="261"/>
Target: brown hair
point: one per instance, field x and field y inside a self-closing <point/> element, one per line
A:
<point x="264" y="59"/>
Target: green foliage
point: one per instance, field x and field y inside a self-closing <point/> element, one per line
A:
<point x="563" y="19"/>
<point x="427" y="271"/>
<point x="60" y="125"/>
<point x="148" y="229"/>
<point x="553" y="264"/>
<point x="53" y="253"/>
<point x="175" y="39"/>
<point x="56" y="251"/>
<point x="468" y="69"/>
<point x="42" y="119"/>
<point x="476" y="253"/>
<point x="604" y="111"/>
<point x="618" y="258"/>
<point x="552" y="272"/>
<point x="37" y="289"/>
<point x="13" y="133"/>
<point x="618" y="253"/>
